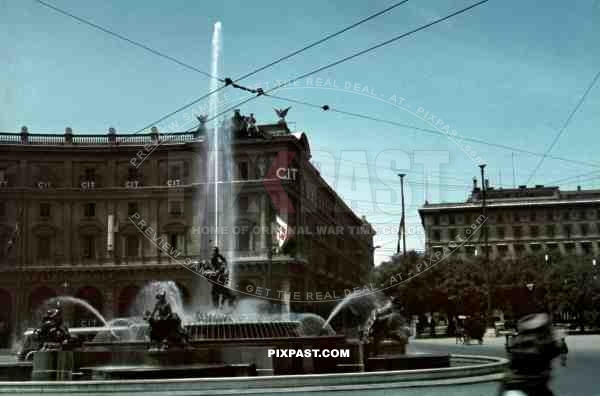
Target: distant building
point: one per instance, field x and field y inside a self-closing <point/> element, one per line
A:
<point x="537" y="220"/>
<point x="66" y="201"/>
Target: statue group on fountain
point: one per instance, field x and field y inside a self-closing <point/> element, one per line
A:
<point x="52" y="335"/>
<point x="386" y="323"/>
<point x="165" y="325"/>
<point x="221" y="294"/>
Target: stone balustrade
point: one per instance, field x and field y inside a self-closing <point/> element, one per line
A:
<point x="87" y="140"/>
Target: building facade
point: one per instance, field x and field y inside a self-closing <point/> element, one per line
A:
<point x="75" y="211"/>
<point x="520" y="221"/>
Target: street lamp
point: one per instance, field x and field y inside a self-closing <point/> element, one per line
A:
<point x="546" y="258"/>
<point x="530" y="286"/>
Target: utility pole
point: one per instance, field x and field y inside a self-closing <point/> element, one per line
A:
<point x="401" y="231"/>
<point x="485" y="244"/>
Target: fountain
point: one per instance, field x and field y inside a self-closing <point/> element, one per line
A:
<point x="211" y="351"/>
<point x="214" y="351"/>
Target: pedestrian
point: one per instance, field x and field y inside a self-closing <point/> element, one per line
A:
<point x="564" y="350"/>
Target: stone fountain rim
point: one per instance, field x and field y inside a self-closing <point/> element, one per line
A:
<point x="490" y="371"/>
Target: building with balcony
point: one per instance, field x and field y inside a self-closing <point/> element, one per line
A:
<point x="520" y="221"/>
<point x="71" y="207"/>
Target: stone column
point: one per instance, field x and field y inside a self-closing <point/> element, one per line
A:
<point x="156" y="222"/>
<point x="285" y="288"/>
<point x="109" y="303"/>
<point x="263" y="224"/>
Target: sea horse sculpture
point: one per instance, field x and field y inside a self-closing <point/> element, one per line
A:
<point x="165" y="325"/>
<point x="386" y="323"/>
<point x="52" y="334"/>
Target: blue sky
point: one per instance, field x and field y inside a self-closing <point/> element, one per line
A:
<point x="507" y="72"/>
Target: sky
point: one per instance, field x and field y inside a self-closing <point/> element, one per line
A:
<point x="506" y="72"/>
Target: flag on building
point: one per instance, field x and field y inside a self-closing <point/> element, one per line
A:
<point x="284" y="232"/>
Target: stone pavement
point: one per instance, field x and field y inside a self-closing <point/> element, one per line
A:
<point x="581" y="376"/>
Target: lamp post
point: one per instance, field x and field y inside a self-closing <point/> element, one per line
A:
<point x="485" y="244"/>
<point x="401" y="232"/>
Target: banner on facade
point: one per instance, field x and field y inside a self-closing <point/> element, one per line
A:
<point x="284" y="232"/>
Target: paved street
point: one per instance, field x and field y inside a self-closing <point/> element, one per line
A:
<point x="581" y="377"/>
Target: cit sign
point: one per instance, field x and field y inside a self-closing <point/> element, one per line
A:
<point x="286" y="173"/>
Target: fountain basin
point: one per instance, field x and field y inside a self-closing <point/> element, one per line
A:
<point x="481" y="377"/>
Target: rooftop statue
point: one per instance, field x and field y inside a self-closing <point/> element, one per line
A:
<point x="282" y="113"/>
<point x="202" y="125"/>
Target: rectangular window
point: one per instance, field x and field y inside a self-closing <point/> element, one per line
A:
<point x="243" y="167"/>
<point x="132" y="208"/>
<point x="174" y="172"/>
<point x="517" y="232"/>
<point x="89" y="210"/>
<point x="436" y="220"/>
<point x="499" y="218"/>
<point x="584" y="229"/>
<point x="569" y="247"/>
<point x="175" y="208"/>
<point x="500" y="232"/>
<point x="453" y="233"/>
<point x="567" y="230"/>
<point x="43" y="248"/>
<point x="173" y="240"/>
<point x="502" y="250"/>
<point x="132" y="174"/>
<point x="2" y="209"/>
<point x="44" y="210"/>
<point x="550" y="230"/>
<point x="90" y="174"/>
<point x="132" y="246"/>
<point x="534" y="231"/>
<point x="437" y="235"/>
<point x="532" y="216"/>
<point x="88" y="247"/>
<point x="451" y="219"/>
<point x="519" y="250"/>
<point x="586" y="247"/>
<point x="549" y="215"/>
